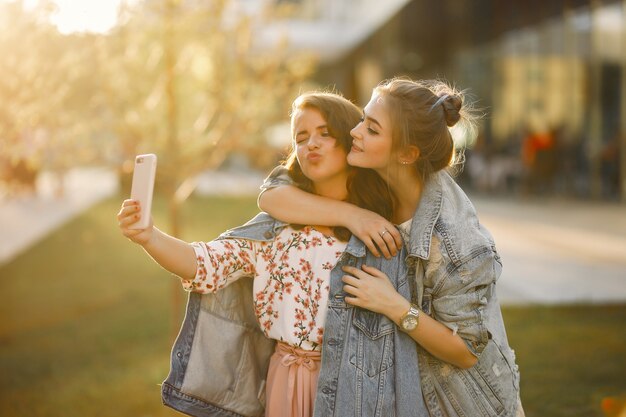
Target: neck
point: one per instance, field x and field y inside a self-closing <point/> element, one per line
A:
<point x="407" y="187"/>
<point x="333" y="188"/>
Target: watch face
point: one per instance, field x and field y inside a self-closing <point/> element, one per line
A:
<point x="409" y="323"/>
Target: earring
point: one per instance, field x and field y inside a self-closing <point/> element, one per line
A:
<point x="405" y="162"/>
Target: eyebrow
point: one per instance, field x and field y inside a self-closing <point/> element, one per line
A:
<point x="370" y="118"/>
<point x="320" y="127"/>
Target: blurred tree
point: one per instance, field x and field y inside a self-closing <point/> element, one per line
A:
<point x="179" y="78"/>
<point x="44" y="105"/>
<point x="182" y="79"/>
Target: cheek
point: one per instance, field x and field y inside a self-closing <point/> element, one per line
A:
<point x="382" y="145"/>
<point x="299" y="152"/>
<point x="375" y="156"/>
<point x="381" y="151"/>
<point x="300" y="156"/>
<point x="339" y="159"/>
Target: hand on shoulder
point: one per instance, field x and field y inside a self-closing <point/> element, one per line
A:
<point x="376" y="232"/>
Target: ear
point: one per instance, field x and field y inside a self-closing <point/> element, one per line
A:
<point x="408" y="155"/>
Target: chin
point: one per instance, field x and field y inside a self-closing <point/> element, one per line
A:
<point x="355" y="161"/>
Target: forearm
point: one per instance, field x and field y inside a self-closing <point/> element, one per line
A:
<point x="433" y="336"/>
<point x="175" y="255"/>
<point x="290" y="204"/>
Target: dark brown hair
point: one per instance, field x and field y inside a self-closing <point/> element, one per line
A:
<point x="421" y="113"/>
<point x="366" y="188"/>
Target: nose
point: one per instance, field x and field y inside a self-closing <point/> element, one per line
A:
<point x="355" y="131"/>
<point x="314" y="142"/>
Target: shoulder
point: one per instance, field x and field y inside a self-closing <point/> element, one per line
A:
<point x="261" y="227"/>
<point x="278" y="177"/>
<point x="458" y="233"/>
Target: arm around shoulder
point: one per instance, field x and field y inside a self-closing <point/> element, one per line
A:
<point x="290" y="204"/>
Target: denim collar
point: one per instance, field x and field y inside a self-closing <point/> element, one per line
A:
<point x="355" y="247"/>
<point x="426" y="215"/>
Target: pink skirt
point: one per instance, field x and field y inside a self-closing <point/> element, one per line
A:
<point x="292" y="382"/>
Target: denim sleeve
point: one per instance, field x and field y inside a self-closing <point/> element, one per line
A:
<point x="277" y="177"/>
<point x="464" y="294"/>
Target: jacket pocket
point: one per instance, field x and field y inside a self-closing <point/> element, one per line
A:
<point x="371" y="342"/>
<point x="373" y="325"/>
<point x="486" y="389"/>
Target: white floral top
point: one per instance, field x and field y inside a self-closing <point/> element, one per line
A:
<point x="291" y="279"/>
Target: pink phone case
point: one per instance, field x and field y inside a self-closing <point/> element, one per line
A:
<point x="143" y="187"/>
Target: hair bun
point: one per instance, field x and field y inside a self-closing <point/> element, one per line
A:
<point x="452" y="108"/>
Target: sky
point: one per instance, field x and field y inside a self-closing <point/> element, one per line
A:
<point x="83" y="15"/>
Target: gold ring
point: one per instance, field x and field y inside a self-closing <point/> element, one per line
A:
<point x="383" y="233"/>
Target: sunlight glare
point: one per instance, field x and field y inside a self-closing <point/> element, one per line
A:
<point x="85" y="16"/>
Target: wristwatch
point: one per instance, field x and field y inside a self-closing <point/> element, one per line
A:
<point x="410" y="319"/>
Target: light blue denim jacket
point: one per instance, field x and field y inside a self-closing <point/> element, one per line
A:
<point x="220" y="357"/>
<point x="453" y="265"/>
<point x="369" y="367"/>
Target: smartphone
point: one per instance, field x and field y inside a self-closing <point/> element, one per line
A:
<point x="143" y="187"/>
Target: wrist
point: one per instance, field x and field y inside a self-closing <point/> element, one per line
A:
<point x="152" y="240"/>
<point x="397" y="309"/>
<point x="410" y="320"/>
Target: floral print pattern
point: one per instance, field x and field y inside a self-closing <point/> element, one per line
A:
<point x="291" y="279"/>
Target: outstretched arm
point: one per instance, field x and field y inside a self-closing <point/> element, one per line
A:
<point x="290" y="204"/>
<point x="173" y="254"/>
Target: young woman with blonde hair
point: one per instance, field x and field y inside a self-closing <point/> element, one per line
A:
<point x="442" y="295"/>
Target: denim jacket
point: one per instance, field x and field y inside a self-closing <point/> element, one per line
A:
<point x="369" y="367"/>
<point x="220" y="357"/>
<point x="455" y="266"/>
<point x="449" y="268"/>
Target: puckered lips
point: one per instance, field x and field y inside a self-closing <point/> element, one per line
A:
<point x="313" y="157"/>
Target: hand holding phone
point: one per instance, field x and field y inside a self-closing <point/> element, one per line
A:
<point x="143" y="186"/>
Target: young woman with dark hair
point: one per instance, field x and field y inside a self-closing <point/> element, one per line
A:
<point x="263" y="282"/>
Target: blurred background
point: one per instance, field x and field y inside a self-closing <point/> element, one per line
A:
<point x="87" y="320"/>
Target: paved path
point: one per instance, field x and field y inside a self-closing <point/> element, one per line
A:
<point x="27" y="219"/>
<point x="554" y="251"/>
<point x="557" y="251"/>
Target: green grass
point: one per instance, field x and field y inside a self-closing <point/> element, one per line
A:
<point x="570" y="357"/>
<point x="86" y="326"/>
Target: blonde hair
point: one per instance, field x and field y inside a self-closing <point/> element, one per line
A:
<point x="421" y="114"/>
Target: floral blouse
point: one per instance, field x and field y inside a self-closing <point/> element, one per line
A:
<point x="291" y="279"/>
